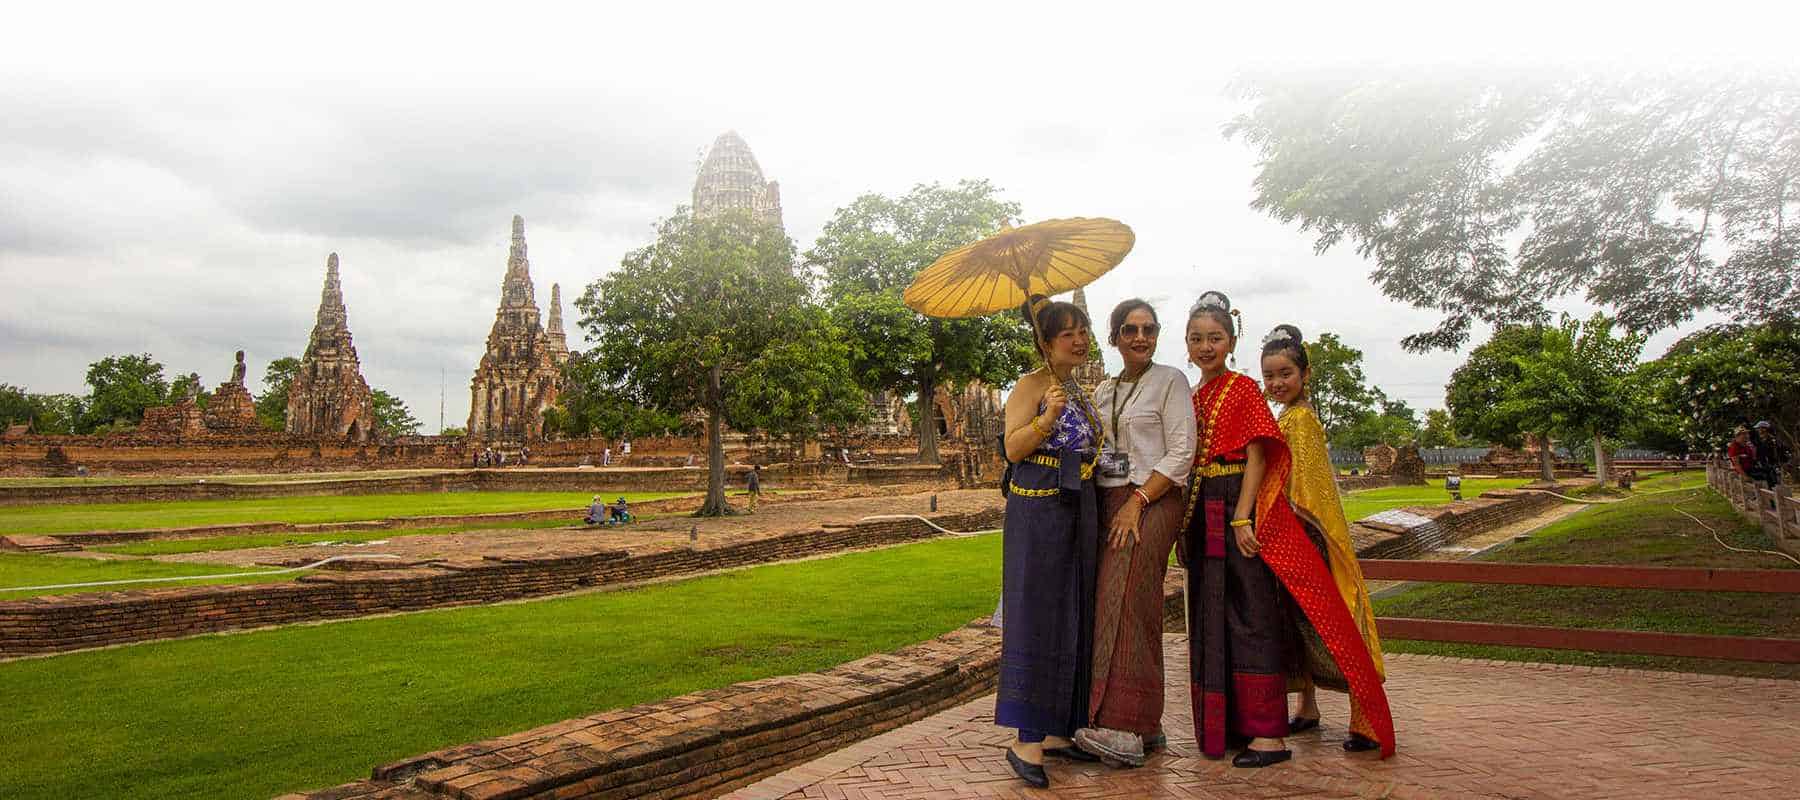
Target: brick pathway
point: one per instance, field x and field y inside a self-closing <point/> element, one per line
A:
<point x="1467" y="729"/>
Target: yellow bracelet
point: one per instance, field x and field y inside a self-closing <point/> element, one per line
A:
<point x="1039" y="428"/>
<point x="1240" y="523"/>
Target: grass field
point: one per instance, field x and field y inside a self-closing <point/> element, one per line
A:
<point x="157" y="547"/>
<point x="256" y="714"/>
<point x="30" y="569"/>
<point x="347" y="508"/>
<point x="1643" y="530"/>
<point x="1370" y="501"/>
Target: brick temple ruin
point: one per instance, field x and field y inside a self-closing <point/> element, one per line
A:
<point x="730" y="178"/>
<point x="329" y="398"/>
<point x="520" y="375"/>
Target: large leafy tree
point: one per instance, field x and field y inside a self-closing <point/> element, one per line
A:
<point x="392" y="417"/>
<point x="120" y="388"/>
<point x="1485" y="198"/>
<point x="1340" y="394"/>
<point x="16" y="406"/>
<point x="800" y="388"/>
<point x="685" y="322"/>
<point x="1724" y="376"/>
<point x="1478" y="390"/>
<point x="1578" y="383"/>
<point x="866" y="256"/>
<point x="1439" y="430"/>
<point x="591" y="404"/>
<point x="271" y="404"/>
<point x="1395" y="424"/>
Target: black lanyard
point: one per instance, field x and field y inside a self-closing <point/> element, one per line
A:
<point x="1115" y="397"/>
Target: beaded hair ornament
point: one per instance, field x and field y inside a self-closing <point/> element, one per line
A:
<point x="1217" y="300"/>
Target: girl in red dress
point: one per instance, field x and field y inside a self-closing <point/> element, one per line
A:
<point x="1250" y="565"/>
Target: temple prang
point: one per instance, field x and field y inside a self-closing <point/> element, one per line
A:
<point x="520" y="375"/>
<point x="730" y="178"/>
<point x="329" y="398"/>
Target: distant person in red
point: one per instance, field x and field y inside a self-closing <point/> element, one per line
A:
<point x="1742" y="453"/>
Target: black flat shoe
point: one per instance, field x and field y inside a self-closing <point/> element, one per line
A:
<point x="1358" y="743"/>
<point x="1257" y="759"/>
<point x="1071" y="753"/>
<point x="1027" y="771"/>
<point x="1299" y="724"/>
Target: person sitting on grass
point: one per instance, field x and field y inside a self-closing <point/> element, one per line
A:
<point x="597" y="512"/>
<point x="621" y="514"/>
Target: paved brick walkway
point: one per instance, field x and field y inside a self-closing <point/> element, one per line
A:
<point x="1467" y="729"/>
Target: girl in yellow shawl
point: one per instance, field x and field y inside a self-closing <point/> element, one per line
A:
<point x="1312" y="489"/>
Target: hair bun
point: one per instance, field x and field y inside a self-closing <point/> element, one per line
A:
<point x="1032" y="306"/>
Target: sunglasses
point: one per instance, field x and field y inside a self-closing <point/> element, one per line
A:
<point x="1130" y="330"/>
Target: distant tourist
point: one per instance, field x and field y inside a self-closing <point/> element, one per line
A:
<point x="524" y="455"/>
<point x="753" y="483"/>
<point x="1246" y="554"/>
<point x="1771" y="454"/>
<point x="1313" y="491"/>
<point x="625" y="448"/>
<point x="606" y="458"/>
<point x="1148" y="422"/>
<point x="1741" y="453"/>
<point x="475" y="459"/>
<point x="621" y="513"/>
<point x="1050" y="548"/>
<point x="597" y="512"/>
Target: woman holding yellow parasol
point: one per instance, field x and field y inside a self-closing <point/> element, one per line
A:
<point x="1053" y="437"/>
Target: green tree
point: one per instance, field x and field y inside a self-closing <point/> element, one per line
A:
<point x="1439" y="430"/>
<point x="591" y="404"/>
<point x="1395" y="424"/>
<point x="870" y="251"/>
<point x="684" y="322"/>
<point x="191" y="382"/>
<point x="392" y="417"/>
<point x="1339" y="392"/>
<point x="800" y="388"/>
<point x="1578" y="383"/>
<point x="1478" y="390"/>
<point x="16" y="406"/>
<point x="120" y="388"/>
<point x="271" y="405"/>
<point x="1728" y="375"/>
<point x="1622" y="190"/>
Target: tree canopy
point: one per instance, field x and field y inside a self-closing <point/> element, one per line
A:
<point x="703" y="315"/>
<point x="1339" y="392"/>
<point x="1477" y="393"/>
<point x="1484" y="198"/>
<point x="392" y="417"/>
<point x="1577" y="383"/>
<point x="271" y="404"/>
<point x="591" y="404"/>
<point x="866" y="256"/>
<point x="1715" y="379"/>
<point x="120" y="388"/>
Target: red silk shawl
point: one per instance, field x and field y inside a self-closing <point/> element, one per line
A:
<point x="1231" y="413"/>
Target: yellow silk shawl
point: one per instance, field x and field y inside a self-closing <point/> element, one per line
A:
<point x="1312" y="487"/>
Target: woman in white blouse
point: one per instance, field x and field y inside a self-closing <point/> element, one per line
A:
<point x="1148" y="416"/>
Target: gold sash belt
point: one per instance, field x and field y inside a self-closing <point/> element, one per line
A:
<point x="1217" y="470"/>
<point x="1087" y="467"/>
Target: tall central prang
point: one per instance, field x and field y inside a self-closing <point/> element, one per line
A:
<point x="519" y="376"/>
<point x="730" y="178"/>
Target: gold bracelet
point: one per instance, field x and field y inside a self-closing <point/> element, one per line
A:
<point x="1240" y="523"/>
<point x="1039" y="428"/>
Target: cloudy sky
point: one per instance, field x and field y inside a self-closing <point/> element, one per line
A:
<point x="172" y="177"/>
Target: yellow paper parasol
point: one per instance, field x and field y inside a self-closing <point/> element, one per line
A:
<point x="999" y="272"/>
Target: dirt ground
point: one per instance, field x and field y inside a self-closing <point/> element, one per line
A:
<point x="771" y="519"/>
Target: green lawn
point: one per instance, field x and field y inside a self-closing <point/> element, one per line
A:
<point x="1644" y="530"/>
<point x="350" y="508"/>
<point x="1370" y="501"/>
<point x="30" y="569"/>
<point x="257" y="714"/>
